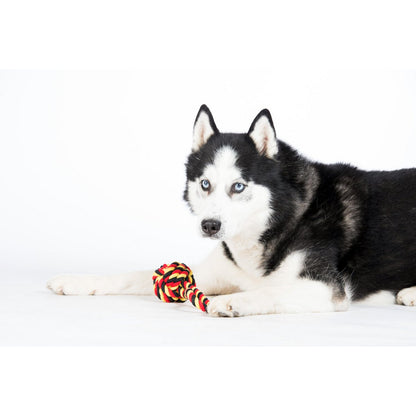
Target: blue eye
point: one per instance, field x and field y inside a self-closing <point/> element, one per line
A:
<point x="205" y="185"/>
<point x="238" y="187"/>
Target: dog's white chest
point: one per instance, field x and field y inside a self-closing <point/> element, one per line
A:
<point x="247" y="257"/>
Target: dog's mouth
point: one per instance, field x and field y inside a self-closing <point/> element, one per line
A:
<point x="213" y="237"/>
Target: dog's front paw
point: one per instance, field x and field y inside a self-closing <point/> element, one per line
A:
<point x="407" y="296"/>
<point x="71" y="285"/>
<point x="223" y="306"/>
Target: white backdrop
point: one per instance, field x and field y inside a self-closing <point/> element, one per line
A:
<point x="72" y="142"/>
<point x="92" y="163"/>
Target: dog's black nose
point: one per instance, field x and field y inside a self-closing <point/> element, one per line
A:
<point x="210" y="227"/>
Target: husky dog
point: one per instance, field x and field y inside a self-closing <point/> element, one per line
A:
<point x="294" y="235"/>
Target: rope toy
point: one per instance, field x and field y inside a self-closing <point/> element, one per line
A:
<point x="175" y="283"/>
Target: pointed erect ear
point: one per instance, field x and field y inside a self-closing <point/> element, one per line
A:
<point x="204" y="127"/>
<point x="263" y="135"/>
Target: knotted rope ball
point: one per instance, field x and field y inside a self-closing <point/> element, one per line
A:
<point x="175" y="283"/>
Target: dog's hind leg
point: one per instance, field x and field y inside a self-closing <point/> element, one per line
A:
<point x="407" y="296"/>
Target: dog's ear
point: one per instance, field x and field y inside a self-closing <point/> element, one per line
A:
<point x="263" y="134"/>
<point x="204" y="127"/>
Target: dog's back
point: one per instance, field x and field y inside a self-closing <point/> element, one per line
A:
<point x="384" y="255"/>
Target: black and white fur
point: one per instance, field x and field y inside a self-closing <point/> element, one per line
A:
<point x="294" y="235"/>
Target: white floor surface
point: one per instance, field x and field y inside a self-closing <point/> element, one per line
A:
<point x="31" y="315"/>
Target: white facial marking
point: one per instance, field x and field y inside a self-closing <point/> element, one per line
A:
<point x="245" y="214"/>
<point x="264" y="137"/>
<point x="202" y="131"/>
<point x="224" y="168"/>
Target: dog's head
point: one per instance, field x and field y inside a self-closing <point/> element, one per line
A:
<point x="232" y="178"/>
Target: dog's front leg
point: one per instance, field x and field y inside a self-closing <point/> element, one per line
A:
<point x="134" y="283"/>
<point x="303" y="296"/>
<point x="294" y="287"/>
<point x="215" y="275"/>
